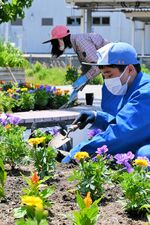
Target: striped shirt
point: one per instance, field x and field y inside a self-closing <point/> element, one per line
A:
<point x="85" y="46"/>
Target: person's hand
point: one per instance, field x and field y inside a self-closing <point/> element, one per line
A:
<point x="80" y="83"/>
<point x="84" y="118"/>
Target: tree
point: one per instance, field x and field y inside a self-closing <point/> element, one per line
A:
<point x="11" y="10"/>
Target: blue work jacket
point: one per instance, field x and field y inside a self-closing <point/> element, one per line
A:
<point x="109" y="101"/>
<point x="129" y="129"/>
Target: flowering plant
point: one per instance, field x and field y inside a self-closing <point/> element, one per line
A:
<point x="25" y="96"/>
<point x="122" y="162"/>
<point x="71" y="73"/>
<point x="92" y="173"/>
<point x="2" y="179"/>
<point x="13" y="147"/>
<point x="88" y="210"/>
<point x="42" y="155"/>
<point x="35" y="200"/>
<point x="136" y="187"/>
<point x="58" y="99"/>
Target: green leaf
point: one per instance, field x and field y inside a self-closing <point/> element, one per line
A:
<point x="19" y="212"/>
<point x="80" y="201"/>
<point x="47" y="192"/>
<point x="31" y="222"/>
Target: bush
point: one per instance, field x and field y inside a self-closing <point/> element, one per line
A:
<point x="11" y="56"/>
<point x="145" y="69"/>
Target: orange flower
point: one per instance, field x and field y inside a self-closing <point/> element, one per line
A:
<point x="58" y="92"/>
<point x="28" y="85"/>
<point x="88" y="200"/>
<point x="10" y="91"/>
<point x="34" y="178"/>
<point x="8" y="126"/>
<point x="37" y="85"/>
<point x="66" y="92"/>
<point x="2" y="82"/>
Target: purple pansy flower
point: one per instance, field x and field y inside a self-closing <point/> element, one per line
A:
<point x="94" y="159"/>
<point x="48" y="88"/>
<point x="123" y="159"/>
<point x="42" y="87"/>
<point x="54" y="89"/>
<point x="31" y="91"/>
<point x="54" y="131"/>
<point x="128" y="167"/>
<point x="3" y="119"/>
<point x="13" y="120"/>
<point x="18" y="91"/>
<point x="102" y="150"/>
<point x="92" y="133"/>
<point x="6" y="118"/>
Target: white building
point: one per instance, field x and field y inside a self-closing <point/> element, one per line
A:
<point x="29" y="33"/>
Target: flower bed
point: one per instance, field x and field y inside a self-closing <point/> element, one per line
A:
<point x="23" y="96"/>
<point x="111" y="211"/>
<point x="36" y="189"/>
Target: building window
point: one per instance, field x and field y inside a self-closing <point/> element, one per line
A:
<point x="47" y="21"/>
<point x="96" y="20"/>
<point x="101" y="21"/>
<point x="17" y="22"/>
<point x="73" y="21"/>
<point x="105" y="20"/>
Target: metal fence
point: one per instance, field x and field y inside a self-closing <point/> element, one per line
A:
<point x="50" y="61"/>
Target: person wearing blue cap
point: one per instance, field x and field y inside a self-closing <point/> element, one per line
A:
<point x="129" y="129"/>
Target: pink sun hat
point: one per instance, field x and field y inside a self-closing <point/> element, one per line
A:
<point x="57" y="32"/>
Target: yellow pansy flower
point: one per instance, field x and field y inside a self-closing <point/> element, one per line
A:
<point x="36" y="141"/>
<point x="24" y="89"/>
<point x="81" y="155"/>
<point x="141" y="162"/>
<point x="32" y="201"/>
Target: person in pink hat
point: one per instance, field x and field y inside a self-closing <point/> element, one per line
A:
<point x="85" y="46"/>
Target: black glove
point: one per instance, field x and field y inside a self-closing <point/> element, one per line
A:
<point x="84" y="118"/>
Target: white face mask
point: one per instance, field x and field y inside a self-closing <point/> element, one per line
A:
<point x="115" y="86"/>
<point x="61" y="45"/>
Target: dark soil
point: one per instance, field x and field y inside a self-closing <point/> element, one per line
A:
<point x="111" y="211"/>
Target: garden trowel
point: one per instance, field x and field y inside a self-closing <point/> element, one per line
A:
<point x="60" y="139"/>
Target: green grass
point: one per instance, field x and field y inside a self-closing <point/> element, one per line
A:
<point x="40" y="74"/>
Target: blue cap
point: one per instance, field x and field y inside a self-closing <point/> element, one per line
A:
<point x="119" y="53"/>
